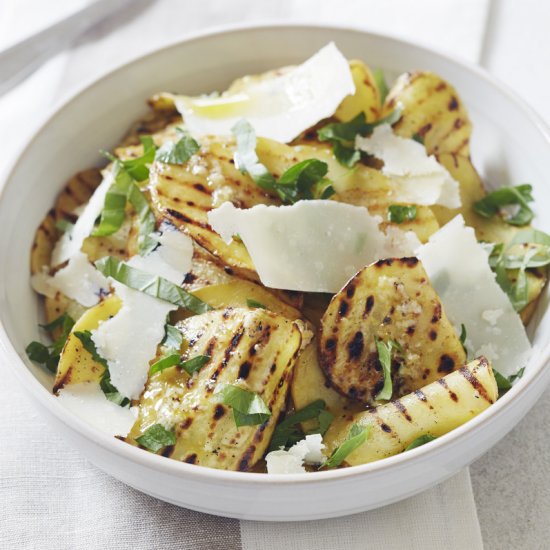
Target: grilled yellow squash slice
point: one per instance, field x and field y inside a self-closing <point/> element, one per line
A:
<point x="389" y="300"/>
<point x="434" y="410"/>
<point x="253" y="348"/>
<point x="432" y="110"/>
<point x="76" y="364"/>
<point x="366" y="98"/>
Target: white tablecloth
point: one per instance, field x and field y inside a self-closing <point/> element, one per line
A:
<point x="50" y="496"/>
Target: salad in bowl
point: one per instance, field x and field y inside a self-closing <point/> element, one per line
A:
<point x="301" y="273"/>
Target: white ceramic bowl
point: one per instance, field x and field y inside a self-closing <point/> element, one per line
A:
<point x="510" y="145"/>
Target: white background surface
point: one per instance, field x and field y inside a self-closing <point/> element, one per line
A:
<point x="512" y="482"/>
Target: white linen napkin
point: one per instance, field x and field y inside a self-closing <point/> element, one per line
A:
<point x="50" y="496"/>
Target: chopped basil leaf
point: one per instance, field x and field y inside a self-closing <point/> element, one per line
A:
<point x="146" y="220"/>
<point x="513" y="377"/>
<point x="123" y="190"/>
<point x="418" y="138"/>
<point x="287" y="432"/>
<point x="398" y="213"/>
<point x="49" y="355"/>
<point x="156" y="437"/>
<point x="179" y="152"/>
<point x="111" y="393"/>
<point x="253" y="303"/>
<point x="385" y="357"/>
<point x="248" y="407"/>
<point x="138" y="168"/>
<point x="195" y="363"/>
<point x="356" y="437"/>
<point x="381" y="84"/>
<point x="419" y="441"/>
<point x="63" y="225"/>
<point x="153" y="285"/>
<point x="166" y="362"/>
<point x="38" y="352"/>
<point x="519" y="195"/>
<point x="463" y="336"/>
<point x="503" y="384"/>
<point x="246" y="159"/>
<point x="342" y="135"/>
<point x="173" y="337"/>
<point x="303" y="181"/>
<point x="113" y="213"/>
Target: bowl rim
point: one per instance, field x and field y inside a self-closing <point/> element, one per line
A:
<point x="180" y="469"/>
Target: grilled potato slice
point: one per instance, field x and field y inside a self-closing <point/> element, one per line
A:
<point x="436" y="409"/>
<point x="366" y="98"/>
<point x="390" y="300"/>
<point x="256" y="349"/>
<point x="185" y="194"/>
<point x="76" y="364"/>
<point x="433" y="110"/>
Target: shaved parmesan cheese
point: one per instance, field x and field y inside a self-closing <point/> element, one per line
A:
<point x="79" y="280"/>
<point x="309" y="450"/>
<point x="171" y="260"/>
<point x="88" y="402"/>
<point x="280" y="107"/>
<point x="419" y="178"/>
<point x="71" y="242"/>
<point x="312" y="246"/>
<point x="459" y="270"/>
<point x="129" y="340"/>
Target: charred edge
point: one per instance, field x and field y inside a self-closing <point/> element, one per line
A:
<point x="452" y="394"/>
<point x="409" y="262"/>
<point x="356" y="346"/>
<point x="350" y="290"/>
<point x="458" y="123"/>
<point x="64" y="380"/>
<point x="228" y="270"/>
<point x="386" y="262"/>
<point x="425" y="374"/>
<point x="436" y="317"/>
<point x="186" y="424"/>
<point x="189" y="278"/>
<point x="410" y="330"/>
<point x="210" y="346"/>
<point x="440" y="87"/>
<point x="219" y="411"/>
<point x="226" y="356"/>
<point x="369" y="304"/>
<point x="425" y="129"/>
<point x="191" y="459"/>
<point x="402" y="409"/>
<point x="343" y="309"/>
<point x="200" y="187"/>
<point x="446" y="364"/>
<point x="244" y="370"/>
<point x="477" y="385"/>
<point x="433" y="335"/>
<point x="167" y="451"/>
<point x="385" y="428"/>
<point x="453" y="104"/>
<point x="246" y="458"/>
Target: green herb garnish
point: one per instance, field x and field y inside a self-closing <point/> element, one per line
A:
<point x="385" y="357"/>
<point x="462" y="337"/>
<point x="165" y="362"/>
<point x="303" y="181"/>
<point x="513" y="377"/>
<point x="356" y="437"/>
<point x="248" y="407"/>
<point x="48" y="356"/>
<point x="138" y="168"/>
<point x="253" y="303"/>
<point x="503" y="384"/>
<point x="288" y="432"/>
<point x="111" y="393"/>
<point x="519" y="195"/>
<point x="156" y="437"/>
<point x="173" y="338"/>
<point x="398" y="213"/>
<point x="195" y="363"/>
<point x="419" y="441"/>
<point x="179" y="152"/>
<point x="153" y="285"/>
<point x="341" y="135"/>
